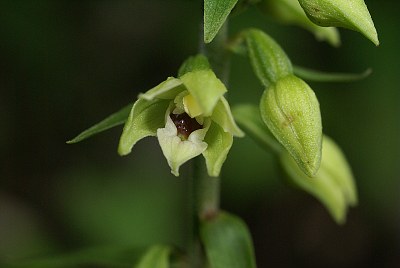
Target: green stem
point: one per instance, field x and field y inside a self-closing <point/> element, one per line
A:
<point x="206" y="189"/>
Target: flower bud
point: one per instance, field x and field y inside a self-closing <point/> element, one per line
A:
<point x="350" y="14"/>
<point x="290" y="109"/>
<point x="290" y="12"/>
<point x="333" y="184"/>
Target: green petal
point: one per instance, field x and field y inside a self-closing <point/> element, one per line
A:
<point x="290" y="12"/>
<point x="222" y="115"/>
<point x="335" y="163"/>
<point x="205" y="88"/>
<point x="194" y="63"/>
<point x="178" y="151"/>
<point x="219" y="143"/>
<point x="350" y="14"/>
<point x="290" y="109"/>
<point x="144" y="120"/>
<point x="166" y="90"/>
<point x="215" y="14"/>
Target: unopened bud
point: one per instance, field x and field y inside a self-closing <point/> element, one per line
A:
<point x="290" y="109"/>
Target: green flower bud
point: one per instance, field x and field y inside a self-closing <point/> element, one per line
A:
<point x="268" y="59"/>
<point x="333" y="184"/>
<point x="350" y="14"/>
<point x="189" y="116"/>
<point x="290" y="12"/>
<point x="290" y="109"/>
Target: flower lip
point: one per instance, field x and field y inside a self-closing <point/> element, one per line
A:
<point x="185" y="125"/>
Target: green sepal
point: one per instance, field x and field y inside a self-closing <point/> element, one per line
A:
<point x="318" y="76"/>
<point x="350" y="14"/>
<point x="333" y="185"/>
<point x="290" y="12"/>
<point x="215" y="14"/>
<point x="157" y="256"/>
<point x="113" y="120"/>
<point x="205" y="88"/>
<point x="222" y="115"/>
<point x="194" y="63"/>
<point x="144" y="120"/>
<point x="290" y="109"/>
<point x="269" y="61"/>
<point x="227" y="242"/>
<point x="249" y="119"/>
<point x="165" y="90"/>
<point x="219" y="143"/>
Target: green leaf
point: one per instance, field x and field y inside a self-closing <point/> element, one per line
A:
<point x="290" y="12"/>
<point x="215" y="14"/>
<point x="222" y="115"/>
<point x="219" y="143"/>
<point x="104" y="256"/>
<point x="115" y="119"/>
<point x="156" y="257"/>
<point x="350" y="14"/>
<point x="269" y="61"/>
<point x="249" y="119"/>
<point x="144" y="120"/>
<point x="318" y="76"/>
<point x="195" y="63"/>
<point x="205" y="88"/>
<point x="290" y="109"/>
<point x="227" y="242"/>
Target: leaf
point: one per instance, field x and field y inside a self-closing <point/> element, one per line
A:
<point x="156" y="257"/>
<point x="249" y="119"/>
<point x="104" y="256"/>
<point x="318" y="76"/>
<point x="115" y="119"/>
<point x="215" y="14"/>
<point x="227" y="242"/>
<point x="219" y="143"/>
<point x="144" y="120"/>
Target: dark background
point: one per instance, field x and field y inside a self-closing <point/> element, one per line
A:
<point x="65" y="65"/>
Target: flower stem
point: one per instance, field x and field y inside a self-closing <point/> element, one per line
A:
<point x="205" y="189"/>
<point x="208" y="188"/>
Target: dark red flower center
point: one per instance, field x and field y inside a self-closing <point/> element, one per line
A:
<point x="184" y="124"/>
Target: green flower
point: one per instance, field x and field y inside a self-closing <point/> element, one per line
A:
<point x="189" y="115"/>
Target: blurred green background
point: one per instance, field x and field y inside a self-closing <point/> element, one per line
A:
<point x="65" y="65"/>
